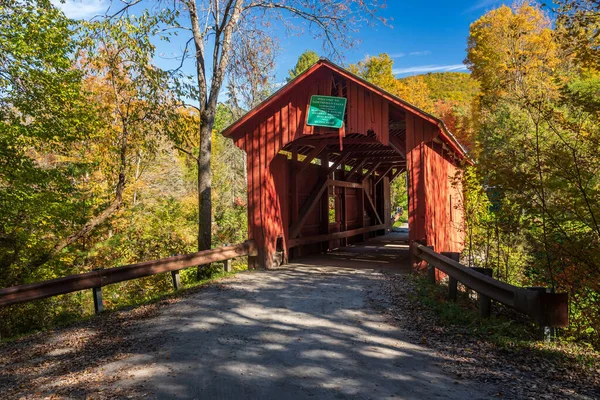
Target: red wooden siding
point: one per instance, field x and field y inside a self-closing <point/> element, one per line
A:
<point x="276" y="192"/>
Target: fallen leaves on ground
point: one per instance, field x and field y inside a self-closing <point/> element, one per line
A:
<point x="66" y="363"/>
<point x="519" y="372"/>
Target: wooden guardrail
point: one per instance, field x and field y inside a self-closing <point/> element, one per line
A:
<point x="547" y="309"/>
<point x="334" y="236"/>
<point x="96" y="279"/>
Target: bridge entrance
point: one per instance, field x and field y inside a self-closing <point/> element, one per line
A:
<point x="313" y="188"/>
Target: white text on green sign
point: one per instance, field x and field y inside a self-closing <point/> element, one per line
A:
<point x="326" y="111"/>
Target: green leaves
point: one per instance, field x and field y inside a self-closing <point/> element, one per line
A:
<point x="538" y="150"/>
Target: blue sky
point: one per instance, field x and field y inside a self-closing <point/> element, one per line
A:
<point x="425" y="36"/>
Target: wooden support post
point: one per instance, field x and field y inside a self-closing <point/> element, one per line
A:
<point x="344" y="216"/>
<point x="307" y="207"/>
<point x="372" y="207"/>
<point x="452" y="283"/>
<point x="98" y="304"/>
<point x="228" y="267"/>
<point x="325" y="171"/>
<point x="431" y="270"/>
<point x="484" y="302"/>
<point x="360" y="208"/>
<point x="294" y="206"/>
<point x="176" y="280"/>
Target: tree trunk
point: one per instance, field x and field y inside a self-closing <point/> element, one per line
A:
<point x="204" y="183"/>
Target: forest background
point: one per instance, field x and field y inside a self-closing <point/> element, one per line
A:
<point x="103" y="154"/>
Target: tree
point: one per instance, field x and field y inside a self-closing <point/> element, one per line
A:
<point x="221" y="26"/>
<point x="578" y="27"/>
<point x="42" y="114"/>
<point x="537" y="146"/>
<point x="305" y="61"/>
<point x="131" y="99"/>
<point x="378" y="71"/>
<point x="415" y="90"/>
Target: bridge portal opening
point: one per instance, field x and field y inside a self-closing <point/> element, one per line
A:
<point x="313" y="188"/>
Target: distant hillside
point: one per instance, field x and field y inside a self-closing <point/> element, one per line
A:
<point x="447" y="95"/>
<point x="449" y="86"/>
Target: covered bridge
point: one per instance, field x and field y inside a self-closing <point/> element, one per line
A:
<point x="313" y="188"/>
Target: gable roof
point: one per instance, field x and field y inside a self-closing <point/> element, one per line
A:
<point x="446" y="135"/>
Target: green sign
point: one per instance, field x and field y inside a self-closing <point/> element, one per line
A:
<point x="326" y="111"/>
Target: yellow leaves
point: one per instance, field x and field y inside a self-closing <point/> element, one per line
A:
<point x="377" y="70"/>
<point x="513" y="51"/>
<point x="415" y="90"/>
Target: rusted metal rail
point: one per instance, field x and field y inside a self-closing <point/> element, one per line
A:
<point x="547" y="309"/>
<point x="98" y="278"/>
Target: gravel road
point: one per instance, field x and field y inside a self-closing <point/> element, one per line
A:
<point x="301" y="332"/>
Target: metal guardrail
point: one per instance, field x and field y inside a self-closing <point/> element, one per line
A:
<point x="96" y="279"/>
<point x="547" y="309"/>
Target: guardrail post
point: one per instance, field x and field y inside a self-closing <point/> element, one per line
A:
<point x="227" y="266"/>
<point x="484" y="302"/>
<point x="452" y="282"/>
<point x="430" y="270"/>
<point x="176" y="280"/>
<point x="97" y="295"/>
<point x="452" y="288"/>
<point x="546" y="333"/>
<point x="98" y="304"/>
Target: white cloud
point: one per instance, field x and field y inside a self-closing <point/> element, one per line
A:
<point x="482" y="4"/>
<point x="419" y="53"/>
<point x="412" y="53"/>
<point x="82" y="9"/>
<point x="429" y="68"/>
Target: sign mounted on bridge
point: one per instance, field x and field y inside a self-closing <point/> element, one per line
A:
<point x="326" y="111"/>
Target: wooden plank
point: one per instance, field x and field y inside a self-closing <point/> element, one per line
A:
<point x="371" y="206"/>
<point x="360" y="105"/>
<point x="277" y="133"/>
<point x="384" y="137"/>
<point x="345" y="184"/>
<point x="337" y="163"/>
<point x="270" y="136"/>
<point x="285" y="128"/>
<point x="333" y="139"/>
<point x="383" y="175"/>
<point x="311" y="156"/>
<point x="354" y="111"/>
<point x="333" y="236"/>
<point x="99" y="278"/>
<point x="396" y="173"/>
<point x="369" y="172"/>
<point x="308" y="206"/>
<point x="357" y="168"/>
<point x="397" y="144"/>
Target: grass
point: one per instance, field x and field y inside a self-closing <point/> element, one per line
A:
<point x="506" y="329"/>
<point x="188" y="283"/>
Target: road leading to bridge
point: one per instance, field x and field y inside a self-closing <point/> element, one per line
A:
<point x="311" y="330"/>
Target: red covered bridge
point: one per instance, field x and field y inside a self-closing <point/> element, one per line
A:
<point x="313" y="188"/>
